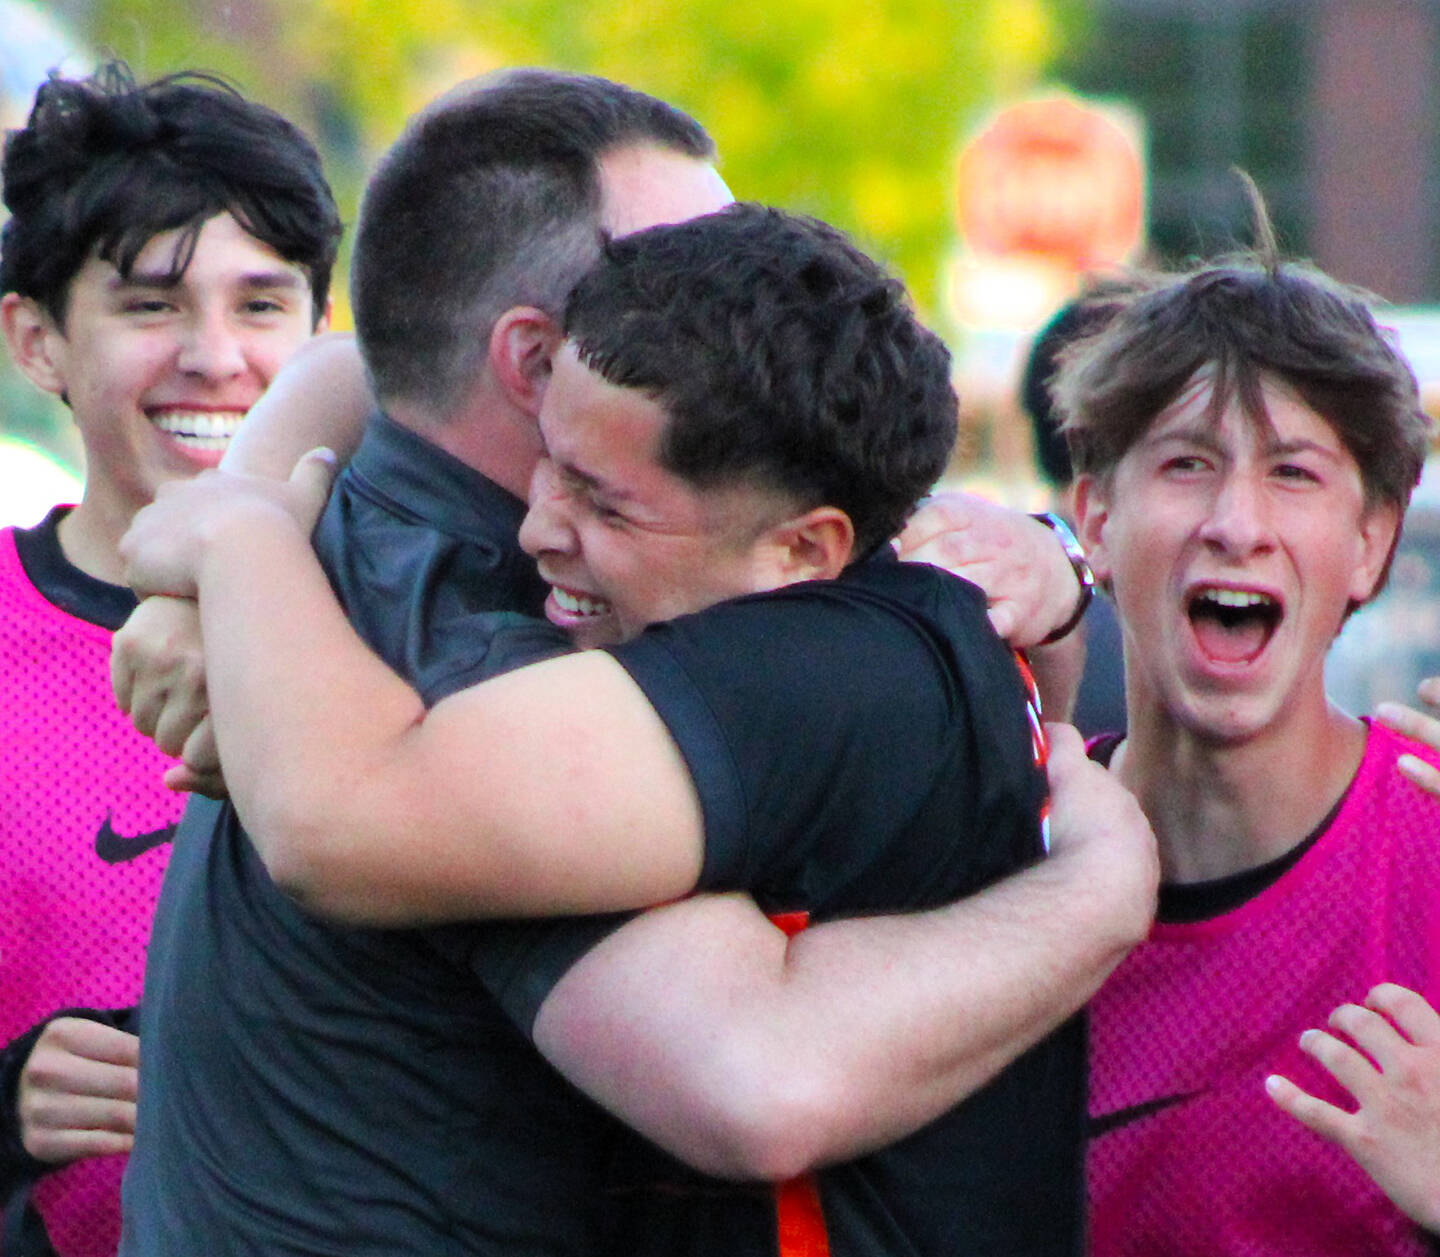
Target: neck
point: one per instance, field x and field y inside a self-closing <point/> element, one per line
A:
<point x="485" y="432"/>
<point x="90" y="535"/>
<point x="1220" y="808"/>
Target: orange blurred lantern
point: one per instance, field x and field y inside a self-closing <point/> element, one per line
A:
<point x="1053" y="178"/>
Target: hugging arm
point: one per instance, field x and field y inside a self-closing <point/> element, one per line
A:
<point x="752" y="1055"/>
<point x="157" y="666"/>
<point x="366" y="806"/>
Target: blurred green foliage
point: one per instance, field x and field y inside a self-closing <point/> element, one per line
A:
<point x="852" y="113"/>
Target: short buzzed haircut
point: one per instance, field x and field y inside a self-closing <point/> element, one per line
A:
<point x="783" y="356"/>
<point x="105" y="164"/>
<point x="490" y="199"/>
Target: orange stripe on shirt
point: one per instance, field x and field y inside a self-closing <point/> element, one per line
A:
<point x="799" y="1215"/>
<point x="800" y="1218"/>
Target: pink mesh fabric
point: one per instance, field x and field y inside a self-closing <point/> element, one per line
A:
<point x="1195" y="1019"/>
<point x="73" y="928"/>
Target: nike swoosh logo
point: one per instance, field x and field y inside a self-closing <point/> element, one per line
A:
<point x="1104" y="1123"/>
<point x="116" y="848"/>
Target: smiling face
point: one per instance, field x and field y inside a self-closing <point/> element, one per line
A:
<point x="624" y="542"/>
<point x="1233" y="550"/>
<point x="159" y="375"/>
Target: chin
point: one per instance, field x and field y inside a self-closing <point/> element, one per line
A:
<point x="1229" y="723"/>
<point x="591" y="637"/>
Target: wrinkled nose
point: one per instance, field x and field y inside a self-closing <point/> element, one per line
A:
<point x="546" y="527"/>
<point x="1239" y="521"/>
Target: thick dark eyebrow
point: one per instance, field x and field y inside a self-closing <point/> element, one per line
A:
<point x="163" y="281"/>
<point x="275" y="279"/>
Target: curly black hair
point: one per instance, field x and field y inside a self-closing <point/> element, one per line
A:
<point x="782" y="354"/>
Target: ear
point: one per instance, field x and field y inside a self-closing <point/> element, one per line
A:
<point x="814" y="546"/>
<point x="1091" y="513"/>
<point x="1379" y="533"/>
<point x="35" y="342"/>
<point x="327" y="316"/>
<point x="522" y="342"/>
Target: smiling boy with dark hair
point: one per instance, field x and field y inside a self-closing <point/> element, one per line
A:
<point x="169" y="245"/>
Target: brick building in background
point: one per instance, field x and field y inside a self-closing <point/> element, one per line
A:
<point x="1330" y="104"/>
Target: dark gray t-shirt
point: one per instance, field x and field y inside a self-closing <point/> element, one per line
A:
<point x="313" y="1089"/>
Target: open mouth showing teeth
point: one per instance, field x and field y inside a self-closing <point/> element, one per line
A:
<point x="199" y="430"/>
<point x="579" y="604"/>
<point x="1233" y="625"/>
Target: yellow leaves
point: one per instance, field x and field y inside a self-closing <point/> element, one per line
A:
<point x="1021" y="37"/>
<point x="743" y="121"/>
<point x="848" y="111"/>
<point x="884" y="200"/>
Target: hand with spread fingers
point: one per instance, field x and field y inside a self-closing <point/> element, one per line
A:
<point x="76" y="1096"/>
<point x="1420" y="726"/>
<point x="1386" y="1054"/>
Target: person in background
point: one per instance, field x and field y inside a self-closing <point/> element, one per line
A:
<point x="1099" y="704"/>
<point x="169" y="246"/>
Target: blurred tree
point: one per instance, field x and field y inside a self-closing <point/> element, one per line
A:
<point x="851" y="113"/>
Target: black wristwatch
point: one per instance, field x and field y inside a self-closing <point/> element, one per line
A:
<point x="1079" y="564"/>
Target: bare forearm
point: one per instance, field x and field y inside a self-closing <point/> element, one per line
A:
<point x="754" y="1057"/>
<point x="286" y="671"/>
<point x="320" y="397"/>
<point x="751" y="1056"/>
<point x="978" y="983"/>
